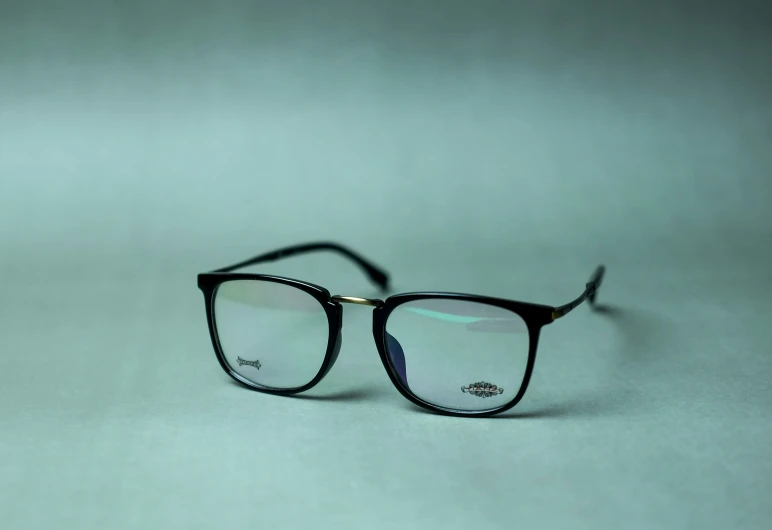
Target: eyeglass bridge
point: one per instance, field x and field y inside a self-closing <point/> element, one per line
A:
<point x="373" y="302"/>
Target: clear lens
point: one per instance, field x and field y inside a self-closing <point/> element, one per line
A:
<point x="270" y="333"/>
<point x="458" y="354"/>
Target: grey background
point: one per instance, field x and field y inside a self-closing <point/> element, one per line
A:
<point x="499" y="148"/>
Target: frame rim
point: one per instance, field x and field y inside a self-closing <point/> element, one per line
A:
<point x="535" y="317"/>
<point x="209" y="283"/>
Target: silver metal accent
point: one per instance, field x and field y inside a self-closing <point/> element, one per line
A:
<point x="482" y="389"/>
<point x="373" y="302"/>
<point x="255" y="363"/>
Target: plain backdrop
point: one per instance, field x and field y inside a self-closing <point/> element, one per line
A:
<point x="494" y="147"/>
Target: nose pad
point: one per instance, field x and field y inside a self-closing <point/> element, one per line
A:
<point x="397" y="356"/>
<point x="338" y="341"/>
<point x="336" y="348"/>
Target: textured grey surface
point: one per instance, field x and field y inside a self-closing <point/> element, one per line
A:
<point x="490" y="148"/>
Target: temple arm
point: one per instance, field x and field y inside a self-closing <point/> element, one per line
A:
<point x="591" y="289"/>
<point x="376" y="274"/>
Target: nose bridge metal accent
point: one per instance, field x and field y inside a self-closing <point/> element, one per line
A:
<point x="373" y="302"/>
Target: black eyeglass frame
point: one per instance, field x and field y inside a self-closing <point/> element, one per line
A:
<point x="535" y="317"/>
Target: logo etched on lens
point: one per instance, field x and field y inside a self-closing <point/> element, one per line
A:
<point x="482" y="389"/>
<point x="254" y="363"/>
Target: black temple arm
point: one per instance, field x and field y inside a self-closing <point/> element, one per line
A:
<point x="590" y="291"/>
<point x="377" y="275"/>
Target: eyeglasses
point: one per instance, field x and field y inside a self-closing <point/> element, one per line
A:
<point x="452" y="353"/>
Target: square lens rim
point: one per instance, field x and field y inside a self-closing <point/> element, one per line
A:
<point x="210" y="282"/>
<point x="535" y="317"/>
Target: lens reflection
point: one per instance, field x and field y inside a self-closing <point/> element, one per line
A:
<point x="270" y="333"/>
<point x="459" y="354"/>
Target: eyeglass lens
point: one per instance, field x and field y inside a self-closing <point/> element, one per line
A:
<point x="271" y="334"/>
<point x="458" y="354"/>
